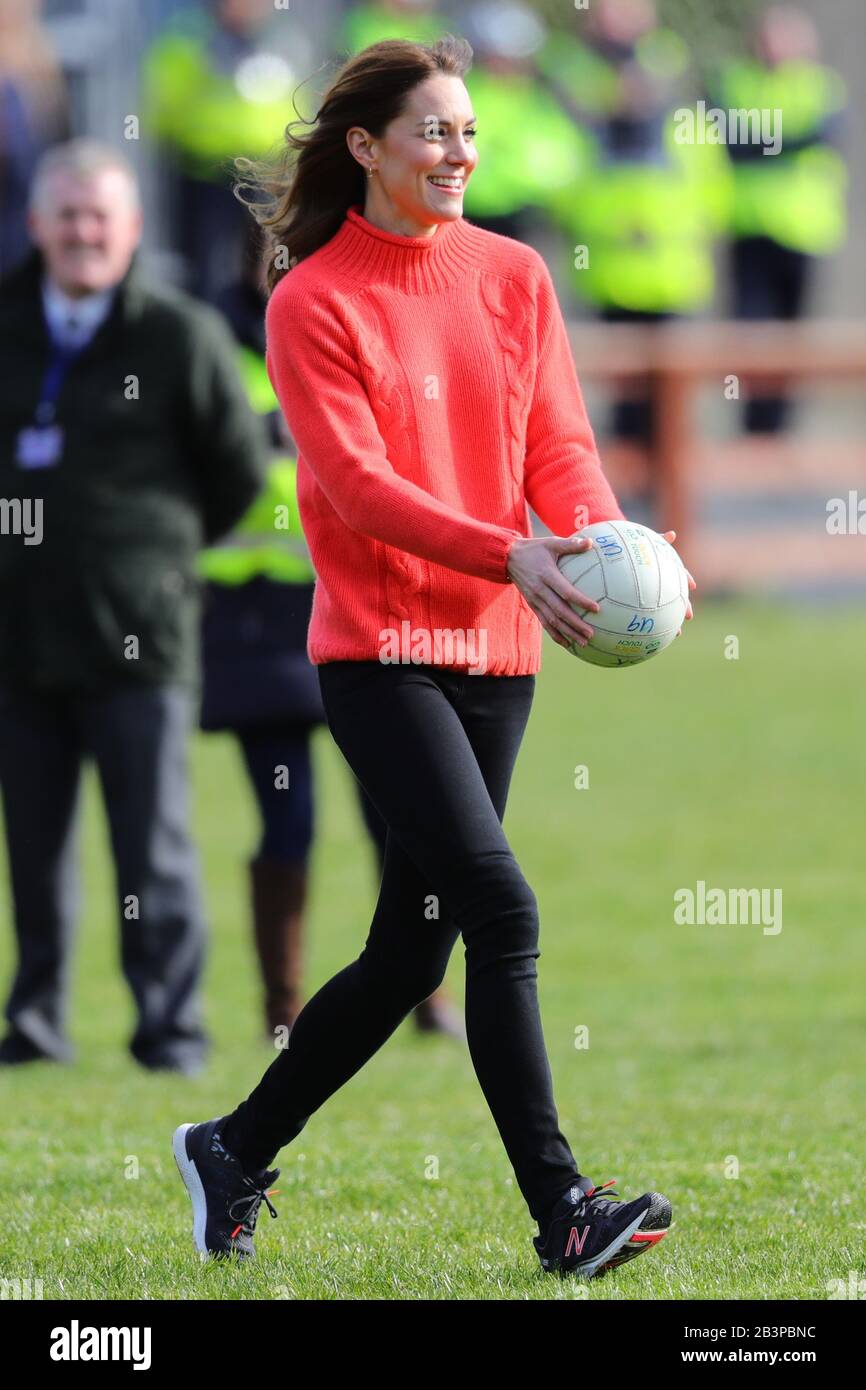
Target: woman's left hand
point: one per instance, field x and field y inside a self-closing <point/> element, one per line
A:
<point x="671" y="537"/>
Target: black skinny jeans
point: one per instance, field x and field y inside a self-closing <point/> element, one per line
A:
<point x="435" y="750"/>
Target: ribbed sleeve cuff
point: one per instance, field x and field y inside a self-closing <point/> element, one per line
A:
<point x="496" y="554"/>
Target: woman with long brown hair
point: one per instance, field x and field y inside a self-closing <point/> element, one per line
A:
<point x="424" y="369"/>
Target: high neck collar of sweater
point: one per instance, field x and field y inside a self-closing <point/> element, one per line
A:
<point x="416" y="264"/>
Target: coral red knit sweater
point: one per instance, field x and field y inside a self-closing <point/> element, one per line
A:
<point x="429" y="386"/>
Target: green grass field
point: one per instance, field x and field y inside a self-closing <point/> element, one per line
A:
<point x="708" y="1044"/>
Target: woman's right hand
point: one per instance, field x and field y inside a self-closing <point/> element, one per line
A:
<point x="532" y="567"/>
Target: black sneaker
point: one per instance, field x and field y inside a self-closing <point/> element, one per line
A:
<point x="590" y="1232"/>
<point x="225" y="1199"/>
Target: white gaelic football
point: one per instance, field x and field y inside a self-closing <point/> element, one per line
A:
<point x="641" y="586"/>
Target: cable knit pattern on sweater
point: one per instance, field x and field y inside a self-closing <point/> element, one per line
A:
<point x="429" y="386"/>
<point x="509" y="311"/>
<point x="405" y="573"/>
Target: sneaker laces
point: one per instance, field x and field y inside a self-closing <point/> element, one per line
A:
<point x="588" y="1200"/>
<point x="248" y="1203"/>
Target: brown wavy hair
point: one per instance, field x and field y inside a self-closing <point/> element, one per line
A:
<point x="301" y="198"/>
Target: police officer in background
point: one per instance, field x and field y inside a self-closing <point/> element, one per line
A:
<point x="641" y="219"/>
<point x="128" y="443"/>
<point x="788" y="207"/>
<point x="219" y="80"/>
<point x="531" y="147"/>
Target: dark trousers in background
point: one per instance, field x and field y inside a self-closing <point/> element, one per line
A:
<point x="769" y="282"/>
<point x="288" y="823"/>
<point x="435" y="752"/>
<point x="212" y="233"/>
<point x="138" y="739"/>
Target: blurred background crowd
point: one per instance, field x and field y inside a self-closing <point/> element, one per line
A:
<point x="580" y="110"/>
<point x="577" y="132"/>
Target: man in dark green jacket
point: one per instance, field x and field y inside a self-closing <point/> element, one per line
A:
<point x="126" y="444"/>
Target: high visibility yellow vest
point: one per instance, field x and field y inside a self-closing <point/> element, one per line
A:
<point x="641" y="234"/>
<point x="592" y="81"/>
<point x="208" y="116"/>
<point x="529" y="149"/>
<point x="269" y="539"/>
<point x="798" y="196"/>
<point x="366" y="24"/>
<point x="257" y="383"/>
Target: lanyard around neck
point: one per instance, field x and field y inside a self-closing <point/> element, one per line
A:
<point x="60" y="359"/>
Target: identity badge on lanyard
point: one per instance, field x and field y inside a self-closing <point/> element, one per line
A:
<point x="40" y="445"/>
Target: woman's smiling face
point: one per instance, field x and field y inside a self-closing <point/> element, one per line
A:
<point x="433" y="139"/>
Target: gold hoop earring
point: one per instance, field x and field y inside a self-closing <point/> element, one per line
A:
<point x="370" y="173"/>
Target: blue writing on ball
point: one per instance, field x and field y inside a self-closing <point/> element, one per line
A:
<point x="608" y="545"/>
<point x="639" y="624"/>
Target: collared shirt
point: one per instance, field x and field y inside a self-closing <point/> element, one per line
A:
<point x="73" y="322"/>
